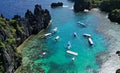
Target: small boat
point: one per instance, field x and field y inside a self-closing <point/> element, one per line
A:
<point x="75" y="34"/>
<point x="69" y="45"/>
<point x="46" y="35"/>
<point x="57" y="37"/>
<point x="44" y="53"/>
<point x="82" y="24"/>
<point x="86" y="10"/>
<point x="55" y="30"/>
<point x="73" y="58"/>
<point x="87" y="35"/>
<point x="71" y="52"/>
<point x="90" y="41"/>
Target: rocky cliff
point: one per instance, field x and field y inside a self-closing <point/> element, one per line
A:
<point x="80" y="5"/>
<point x="14" y="31"/>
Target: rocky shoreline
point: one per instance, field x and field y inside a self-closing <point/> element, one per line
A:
<point x="14" y="31"/>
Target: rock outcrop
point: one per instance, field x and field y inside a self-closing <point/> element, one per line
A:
<point x="54" y="5"/>
<point x="13" y="32"/>
<point x="80" y="5"/>
<point x="118" y="71"/>
<point x="114" y="16"/>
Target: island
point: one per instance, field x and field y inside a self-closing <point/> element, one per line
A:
<point x="15" y="31"/>
<point x="110" y="6"/>
<point x="54" y="5"/>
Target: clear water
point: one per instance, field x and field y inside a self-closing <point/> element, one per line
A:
<point x="57" y="60"/>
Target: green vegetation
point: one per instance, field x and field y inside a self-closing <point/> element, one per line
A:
<point x="9" y="29"/>
<point x="2" y="21"/>
<point x="114" y="15"/>
<point x="118" y="71"/>
<point x="2" y="44"/>
<point x="109" y="5"/>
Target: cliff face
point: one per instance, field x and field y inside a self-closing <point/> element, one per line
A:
<point x="14" y="32"/>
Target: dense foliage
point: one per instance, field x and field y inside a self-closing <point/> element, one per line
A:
<point x="14" y="31"/>
<point x="114" y="15"/>
<point x="80" y="5"/>
<point x="109" y="5"/>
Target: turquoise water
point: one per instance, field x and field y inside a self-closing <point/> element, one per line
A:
<point x="56" y="59"/>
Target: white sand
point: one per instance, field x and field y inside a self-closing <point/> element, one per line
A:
<point x="111" y="31"/>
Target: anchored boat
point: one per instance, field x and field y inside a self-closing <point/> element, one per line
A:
<point x="86" y="35"/>
<point x="71" y="52"/>
<point x="82" y="24"/>
<point x="46" y="35"/>
<point x="75" y="34"/>
<point x="69" y="45"/>
<point x="57" y="37"/>
<point x="55" y="30"/>
<point x="90" y="41"/>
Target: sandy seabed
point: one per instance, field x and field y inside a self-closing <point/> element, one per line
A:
<point x="111" y="31"/>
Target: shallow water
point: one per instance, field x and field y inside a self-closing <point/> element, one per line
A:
<point x="56" y="59"/>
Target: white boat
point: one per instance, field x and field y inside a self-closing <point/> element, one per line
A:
<point x="57" y="37"/>
<point x="55" y="30"/>
<point x="71" y="52"/>
<point x="86" y="10"/>
<point x="87" y="35"/>
<point x="75" y="34"/>
<point x="82" y="24"/>
<point x="90" y="41"/>
<point x="73" y="58"/>
<point x="69" y="45"/>
<point x="44" y="53"/>
<point x="46" y="35"/>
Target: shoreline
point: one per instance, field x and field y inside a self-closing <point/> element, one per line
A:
<point x="111" y="32"/>
<point x="20" y="47"/>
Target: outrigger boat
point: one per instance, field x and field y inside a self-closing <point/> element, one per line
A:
<point x="69" y="45"/>
<point x="57" y="37"/>
<point x="87" y="35"/>
<point x="46" y="35"/>
<point x="75" y="34"/>
<point x="55" y="30"/>
<point x="82" y="24"/>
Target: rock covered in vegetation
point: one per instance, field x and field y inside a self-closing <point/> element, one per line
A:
<point x="118" y="52"/>
<point x="53" y="5"/>
<point x="114" y="16"/>
<point x="109" y="5"/>
<point x="118" y="71"/>
<point x="80" y="5"/>
<point x="13" y="32"/>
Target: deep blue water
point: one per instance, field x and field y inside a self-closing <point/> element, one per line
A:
<point x="57" y="60"/>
